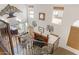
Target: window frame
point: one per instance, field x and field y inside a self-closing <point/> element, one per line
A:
<point x="57" y="15"/>
<point x="31" y="12"/>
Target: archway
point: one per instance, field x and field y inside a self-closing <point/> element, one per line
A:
<point x="76" y="23"/>
<point x="73" y="40"/>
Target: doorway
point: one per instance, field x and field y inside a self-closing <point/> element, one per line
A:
<point x="73" y="39"/>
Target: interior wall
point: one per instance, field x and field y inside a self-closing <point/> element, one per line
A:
<point x="71" y="14"/>
<point x="42" y="23"/>
<point x="48" y="10"/>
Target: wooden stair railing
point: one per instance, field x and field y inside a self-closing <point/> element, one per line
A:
<point x="6" y="32"/>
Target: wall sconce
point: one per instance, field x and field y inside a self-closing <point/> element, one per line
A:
<point x="50" y="28"/>
<point x="10" y="10"/>
<point x="41" y="29"/>
<point x="34" y="23"/>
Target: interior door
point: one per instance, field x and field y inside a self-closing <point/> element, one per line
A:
<point x="73" y="40"/>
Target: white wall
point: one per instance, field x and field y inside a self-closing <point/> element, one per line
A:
<point x="42" y="9"/>
<point x="71" y="14"/>
<point x="48" y="10"/>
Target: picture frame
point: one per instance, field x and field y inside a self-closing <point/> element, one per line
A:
<point x="41" y="16"/>
<point x="41" y="29"/>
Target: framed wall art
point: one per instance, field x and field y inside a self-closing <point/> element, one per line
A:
<point x="41" y="16"/>
<point x="41" y="29"/>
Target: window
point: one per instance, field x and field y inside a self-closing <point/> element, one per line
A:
<point x="76" y="23"/>
<point x="31" y="11"/>
<point x="57" y="15"/>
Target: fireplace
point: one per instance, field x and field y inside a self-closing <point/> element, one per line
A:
<point x="40" y="40"/>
